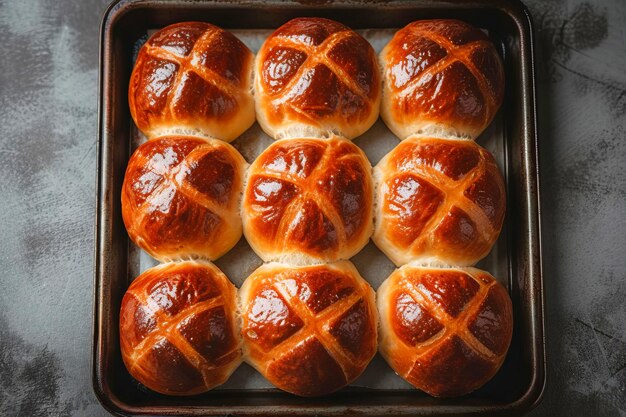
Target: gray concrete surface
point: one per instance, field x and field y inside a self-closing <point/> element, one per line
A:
<point x="48" y="100"/>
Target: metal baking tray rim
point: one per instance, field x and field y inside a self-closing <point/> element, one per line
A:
<point x="536" y="388"/>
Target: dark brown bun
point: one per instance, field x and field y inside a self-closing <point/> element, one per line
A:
<point x="438" y="202"/>
<point x="192" y="78"/>
<point x="441" y="78"/>
<point x="315" y="77"/>
<point x="308" y="201"/>
<point x="309" y="330"/>
<point x="178" y="329"/>
<point x="180" y="197"/>
<point x="446" y="331"/>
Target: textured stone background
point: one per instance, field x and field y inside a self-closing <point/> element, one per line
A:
<point x="48" y="100"/>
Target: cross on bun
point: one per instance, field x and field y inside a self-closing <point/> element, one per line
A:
<point x="192" y="78"/>
<point x="441" y="78"/>
<point x="438" y="202"/>
<point x="178" y="330"/>
<point x="446" y="331"/>
<point x="309" y="330"/>
<point x="180" y="197"/>
<point x="308" y="201"/>
<point x="315" y="77"/>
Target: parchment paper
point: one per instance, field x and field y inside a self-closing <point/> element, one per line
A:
<point x="241" y="261"/>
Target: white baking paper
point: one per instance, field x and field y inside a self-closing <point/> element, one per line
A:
<point x="241" y="261"/>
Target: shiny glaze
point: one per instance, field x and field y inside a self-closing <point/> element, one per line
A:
<point x="450" y="290"/>
<point x="318" y="288"/>
<point x="354" y="58"/>
<point x="448" y="329"/>
<point x="270" y="320"/>
<point x="179" y="289"/>
<point x="346" y="185"/>
<point x="297" y="158"/>
<point x="308" y="196"/>
<point x="439" y="198"/>
<point x="442" y="72"/>
<point x="319" y="73"/>
<point x="353" y="329"/>
<point x="154" y="79"/>
<point x="194" y="97"/>
<point x="319" y="94"/>
<point x="487" y="193"/>
<point x="491" y="66"/>
<point x="414" y="202"/>
<point x="177" y="326"/>
<point x="165" y="369"/>
<point x="279" y="67"/>
<point x="450" y="370"/>
<point x="457" y="232"/>
<point x="210" y="334"/>
<point x="213" y="174"/>
<point x="309" y="31"/>
<point x="454" y="159"/>
<point x="271" y="196"/>
<point x="307" y="370"/>
<point x="420" y="53"/>
<point x="179" y="197"/>
<point x="227" y="56"/>
<point x="412" y="324"/>
<point x="309" y="330"/>
<point x="450" y="94"/>
<point x="192" y="75"/>
<point x="179" y="38"/>
<point x="312" y="230"/>
<point x="492" y="320"/>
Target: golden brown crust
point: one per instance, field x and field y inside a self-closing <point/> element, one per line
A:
<point x="442" y="78"/>
<point x="192" y="78"/>
<point x="315" y="77"/>
<point x="308" y="200"/>
<point x="309" y="330"/>
<point x="438" y="201"/>
<point x="180" y="197"/>
<point x="178" y="333"/>
<point x="446" y="331"/>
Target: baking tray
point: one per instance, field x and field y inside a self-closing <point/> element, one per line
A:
<point x="515" y="260"/>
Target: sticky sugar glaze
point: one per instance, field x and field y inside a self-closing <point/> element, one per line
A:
<point x="316" y="75"/>
<point x="178" y="334"/>
<point x="192" y="77"/>
<point x="180" y="197"/>
<point x="307" y="200"/>
<point x="446" y="331"/>
<point x="440" y="77"/>
<point x="438" y="201"/>
<point x="309" y="330"/>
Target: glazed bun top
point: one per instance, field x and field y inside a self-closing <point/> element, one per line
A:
<point x="438" y="202"/>
<point x="192" y="78"/>
<point x="181" y="195"/>
<point x="446" y="331"/>
<point x="315" y="77"/>
<point x="441" y="78"/>
<point x="308" y="201"/>
<point x="309" y="330"/>
<point x="178" y="328"/>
